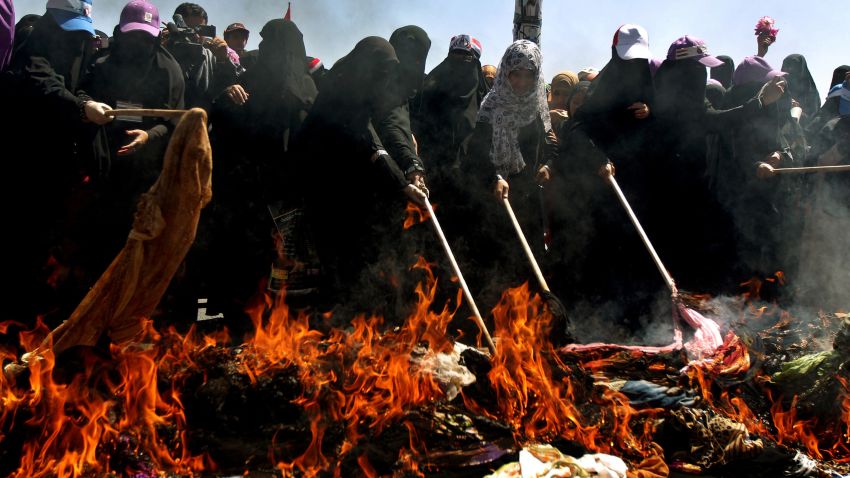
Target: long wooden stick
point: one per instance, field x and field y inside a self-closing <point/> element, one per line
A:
<point x="813" y="169"/>
<point x="525" y="246"/>
<point x="147" y="112"/>
<point x="660" y="265"/>
<point x="478" y="320"/>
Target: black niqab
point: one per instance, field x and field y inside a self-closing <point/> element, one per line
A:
<point x="714" y="93"/>
<point x="724" y="72"/>
<point x="279" y="84"/>
<point x="411" y="45"/>
<point x="362" y="76"/>
<point x="801" y="85"/>
<point x="23" y="29"/>
<point x="680" y="91"/>
<point x="281" y="68"/>
<point x="451" y="96"/>
<point x="348" y="189"/>
<point x="338" y="129"/>
<point x="838" y="76"/>
<point x="605" y="116"/>
<point x="281" y="92"/>
<point x="48" y="45"/>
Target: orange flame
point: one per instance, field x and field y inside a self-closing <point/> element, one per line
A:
<point x="538" y="406"/>
<point x="415" y="215"/>
<point x="791" y="430"/>
<point x="379" y="382"/>
<point x="97" y="408"/>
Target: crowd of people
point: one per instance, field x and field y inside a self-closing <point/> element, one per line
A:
<point x="693" y="140"/>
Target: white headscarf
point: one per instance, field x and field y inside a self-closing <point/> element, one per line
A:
<point x="507" y="112"/>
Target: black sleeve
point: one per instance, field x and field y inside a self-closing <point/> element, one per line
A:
<point x="477" y="163"/>
<point x="225" y="73"/>
<point x="576" y="152"/>
<point x="716" y="121"/>
<point x="395" y="134"/>
<point x="43" y="82"/>
<point x="550" y="149"/>
<point x="386" y="167"/>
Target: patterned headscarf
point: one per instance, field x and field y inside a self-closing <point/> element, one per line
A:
<point x="508" y="112"/>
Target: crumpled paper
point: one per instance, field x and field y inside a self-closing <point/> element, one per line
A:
<point x="546" y="461"/>
<point x="446" y="369"/>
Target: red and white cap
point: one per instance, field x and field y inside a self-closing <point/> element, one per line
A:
<point x="314" y="65"/>
<point x="465" y="43"/>
<point x="632" y="41"/>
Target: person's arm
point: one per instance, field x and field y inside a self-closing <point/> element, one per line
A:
<point x="391" y="174"/>
<point x="478" y="164"/>
<point x="42" y="81"/>
<point x="718" y="120"/>
<point x="577" y="153"/>
<point x="384" y="164"/>
<point x="550" y="155"/>
<point x="224" y="72"/>
<point x="395" y="134"/>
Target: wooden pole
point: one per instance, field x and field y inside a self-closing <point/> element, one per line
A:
<point x="147" y="112"/>
<point x="660" y="265"/>
<point x="525" y="246"/>
<point x="478" y="320"/>
<point x="813" y="169"/>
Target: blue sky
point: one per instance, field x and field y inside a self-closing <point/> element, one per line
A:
<point x="576" y="33"/>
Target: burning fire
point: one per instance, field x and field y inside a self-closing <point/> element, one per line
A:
<point x="125" y="414"/>
<point x="110" y="407"/>
<point x="415" y="215"/>
<point x="534" y="394"/>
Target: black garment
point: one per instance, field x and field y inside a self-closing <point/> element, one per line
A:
<point x="827" y="135"/>
<point x="132" y="75"/>
<point x="801" y="86"/>
<point x="254" y="168"/>
<point x="724" y="72"/>
<point x="826" y="113"/>
<point x="143" y="79"/>
<point x="444" y="120"/>
<point x="23" y="29"/>
<point x="714" y="93"/>
<point x="254" y="138"/>
<point x="411" y="45"/>
<point x="838" y="75"/>
<point x="248" y="59"/>
<point x="700" y="255"/>
<point x="350" y="191"/>
<point x="446" y="116"/>
<point x="44" y="167"/>
<point x="765" y="211"/>
<point x="605" y="117"/>
<point x="204" y="76"/>
<point x="825" y="265"/>
<point x="594" y="229"/>
<point x="281" y="92"/>
<point x="496" y="260"/>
